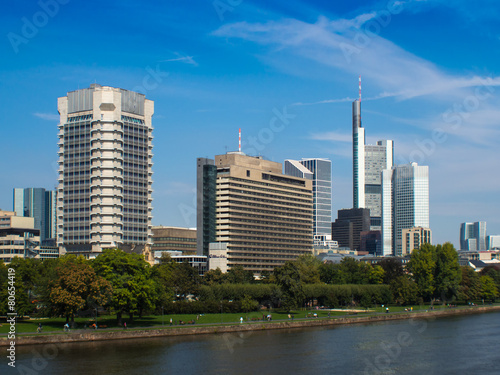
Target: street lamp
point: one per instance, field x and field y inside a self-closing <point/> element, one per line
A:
<point x="96" y="318"/>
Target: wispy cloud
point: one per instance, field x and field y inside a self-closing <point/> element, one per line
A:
<point x="342" y="45"/>
<point x="47" y="116"/>
<point x="185" y="59"/>
<point x="331" y="136"/>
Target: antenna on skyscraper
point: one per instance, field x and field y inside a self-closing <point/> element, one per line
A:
<point x="239" y="141"/>
<point x="360" y="88"/>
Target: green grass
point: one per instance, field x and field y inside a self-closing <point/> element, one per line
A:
<point x="56" y="325"/>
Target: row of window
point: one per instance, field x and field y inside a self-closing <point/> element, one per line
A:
<point x="190" y="246"/>
<point x="182" y="239"/>
<point x="132" y="120"/>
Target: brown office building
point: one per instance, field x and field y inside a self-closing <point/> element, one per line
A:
<point x="265" y="217"/>
<point x="347" y="228"/>
<point x="174" y="239"/>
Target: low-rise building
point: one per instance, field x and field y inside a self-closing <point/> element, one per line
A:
<point x="174" y="239"/>
<point x="18" y="236"/>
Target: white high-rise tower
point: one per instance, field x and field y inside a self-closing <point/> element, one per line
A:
<point x="105" y="169"/>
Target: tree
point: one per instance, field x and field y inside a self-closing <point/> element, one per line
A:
<point x="308" y="267"/>
<point x="393" y="268"/>
<point x="330" y="273"/>
<point x="489" y="289"/>
<point x="76" y="286"/>
<point x="249" y="304"/>
<point x="447" y="273"/>
<point x="3" y="288"/>
<point x="376" y="275"/>
<point x="213" y="277"/>
<point x="130" y="277"/>
<point x="404" y="290"/>
<point x="28" y="276"/>
<point x="422" y="265"/>
<point x="185" y="280"/>
<point x="288" y="279"/>
<point x="238" y="275"/>
<point x="470" y="285"/>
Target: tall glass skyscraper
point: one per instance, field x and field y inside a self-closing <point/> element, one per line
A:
<point x="405" y="203"/>
<point x="105" y="169"/>
<point x="206" y="180"/>
<point x="368" y="163"/>
<point x="39" y="204"/>
<point x="320" y="172"/>
<point x="473" y="236"/>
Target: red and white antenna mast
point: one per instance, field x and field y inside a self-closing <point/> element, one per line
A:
<point x="239" y="141"/>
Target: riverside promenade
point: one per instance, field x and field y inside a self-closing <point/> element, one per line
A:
<point x="166" y="331"/>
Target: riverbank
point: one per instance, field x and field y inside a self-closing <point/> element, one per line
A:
<point x="122" y="334"/>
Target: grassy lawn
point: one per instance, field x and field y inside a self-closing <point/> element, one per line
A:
<point x="55" y="325"/>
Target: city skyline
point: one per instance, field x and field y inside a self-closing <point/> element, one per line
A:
<point x="285" y="73"/>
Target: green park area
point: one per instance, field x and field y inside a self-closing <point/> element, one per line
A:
<point x="108" y="322"/>
<point x="123" y="289"/>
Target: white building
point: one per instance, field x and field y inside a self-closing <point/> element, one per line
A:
<point x="105" y="169"/>
<point x="405" y="203"/>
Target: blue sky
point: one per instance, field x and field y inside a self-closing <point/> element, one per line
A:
<point x="285" y="72"/>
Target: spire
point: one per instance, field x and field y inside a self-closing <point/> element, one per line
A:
<point x="360" y="88"/>
<point x="239" y="141"/>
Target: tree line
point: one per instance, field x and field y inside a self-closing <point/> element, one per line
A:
<point x="125" y="283"/>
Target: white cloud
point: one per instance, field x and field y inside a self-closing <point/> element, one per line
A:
<point x="185" y="59"/>
<point x="332" y="136"/>
<point x="345" y="46"/>
<point x="47" y="116"/>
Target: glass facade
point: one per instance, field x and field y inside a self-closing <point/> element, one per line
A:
<point x="320" y="172"/>
<point x="406" y="196"/>
<point x="473" y="236"/>
<point x="39" y="204"/>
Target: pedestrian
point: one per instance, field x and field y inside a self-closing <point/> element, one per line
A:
<point x="170" y="321"/>
<point x="125" y="325"/>
<point x="39" y="329"/>
<point x="241" y="320"/>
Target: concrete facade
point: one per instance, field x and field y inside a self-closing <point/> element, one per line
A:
<point x="265" y="217"/>
<point x="105" y="170"/>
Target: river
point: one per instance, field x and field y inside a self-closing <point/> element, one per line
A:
<point x="455" y="345"/>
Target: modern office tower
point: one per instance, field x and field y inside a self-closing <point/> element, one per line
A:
<point x="405" y="204"/>
<point x="39" y="204"/>
<point x="206" y="176"/>
<point x="493" y="242"/>
<point x="371" y="242"/>
<point x="263" y="217"/>
<point x="473" y="236"/>
<point x="105" y="170"/>
<point x="320" y="172"/>
<point x="368" y="163"/>
<point x="413" y="238"/>
<point x="173" y="239"/>
<point x="377" y="158"/>
<point x="358" y="156"/>
<point x="347" y="228"/>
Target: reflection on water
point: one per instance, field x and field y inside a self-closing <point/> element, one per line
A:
<point x="444" y="346"/>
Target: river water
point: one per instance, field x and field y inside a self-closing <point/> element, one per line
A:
<point x="455" y="345"/>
